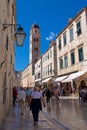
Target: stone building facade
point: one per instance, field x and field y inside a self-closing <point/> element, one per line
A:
<point x="72" y="49"/>
<point x="16" y="80"/>
<point x="25" y="77"/>
<point x="38" y="70"/>
<point x="68" y="51"/>
<point x="72" y="45"/>
<point x="49" y="63"/>
<point x="7" y="16"/>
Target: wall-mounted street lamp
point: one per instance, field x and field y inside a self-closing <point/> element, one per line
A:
<point x="19" y="34"/>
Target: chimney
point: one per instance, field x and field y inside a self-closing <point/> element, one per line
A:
<point x="70" y="20"/>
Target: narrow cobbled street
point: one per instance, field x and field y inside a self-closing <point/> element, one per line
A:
<point x="69" y="114"/>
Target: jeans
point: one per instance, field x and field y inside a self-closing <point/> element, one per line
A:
<point x="14" y="100"/>
<point x="35" y="113"/>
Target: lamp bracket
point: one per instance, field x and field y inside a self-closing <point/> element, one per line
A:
<point x="1" y="64"/>
<point x="5" y="26"/>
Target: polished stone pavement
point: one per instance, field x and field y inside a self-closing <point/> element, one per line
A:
<point x="14" y="121"/>
<point x="69" y="114"/>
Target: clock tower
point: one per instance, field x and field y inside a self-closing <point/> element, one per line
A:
<point x="34" y="45"/>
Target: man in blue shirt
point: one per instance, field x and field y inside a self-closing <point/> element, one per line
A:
<point x="28" y="94"/>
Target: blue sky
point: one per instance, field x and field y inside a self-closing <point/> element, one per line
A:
<point x="51" y="16"/>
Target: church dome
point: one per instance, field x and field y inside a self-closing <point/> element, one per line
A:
<point x="34" y="26"/>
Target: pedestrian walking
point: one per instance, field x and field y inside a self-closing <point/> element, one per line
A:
<point x="56" y="94"/>
<point x="48" y="95"/>
<point x="21" y="100"/>
<point x="82" y="91"/>
<point x="36" y="101"/>
<point x="28" y="94"/>
<point x="14" y="94"/>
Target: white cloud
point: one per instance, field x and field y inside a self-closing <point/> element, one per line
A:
<point x="51" y="36"/>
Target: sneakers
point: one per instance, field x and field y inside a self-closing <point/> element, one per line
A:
<point x="35" y="123"/>
<point x="21" y="114"/>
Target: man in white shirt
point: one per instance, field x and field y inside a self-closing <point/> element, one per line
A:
<point x="21" y="99"/>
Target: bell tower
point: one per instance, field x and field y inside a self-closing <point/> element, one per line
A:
<point x="34" y="45"/>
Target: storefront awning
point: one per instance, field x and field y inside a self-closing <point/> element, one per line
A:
<point x="59" y="79"/>
<point x="46" y="80"/>
<point x="74" y="76"/>
<point x="37" y="80"/>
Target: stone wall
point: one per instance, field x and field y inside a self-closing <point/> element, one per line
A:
<point x="7" y="16"/>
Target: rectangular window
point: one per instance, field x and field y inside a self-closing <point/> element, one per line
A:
<point x="61" y="63"/>
<point x="35" y="77"/>
<point x="11" y="59"/>
<point x="80" y="54"/>
<point x="35" y="31"/>
<point x="64" y="39"/>
<point x="34" y="39"/>
<point x="7" y="43"/>
<point x="38" y="75"/>
<point x="50" y="53"/>
<point x="50" y="68"/>
<point x="59" y="44"/>
<point x="8" y="1"/>
<point x="78" y="26"/>
<point x="37" y="39"/>
<point x="46" y="71"/>
<point x="71" y="34"/>
<point x="4" y="89"/>
<point x="43" y="59"/>
<point x="72" y="58"/>
<point x="65" y="61"/>
<point x="35" y="49"/>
